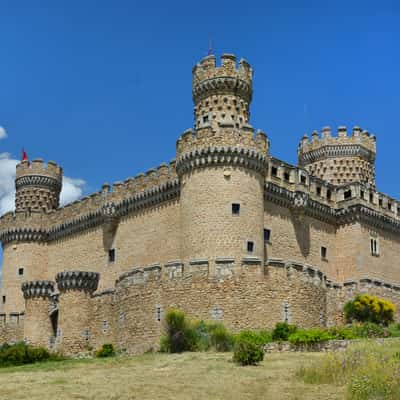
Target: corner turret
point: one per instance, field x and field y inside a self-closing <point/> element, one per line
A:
<point x="38" y="186"/>
<point x="340" y="159"/>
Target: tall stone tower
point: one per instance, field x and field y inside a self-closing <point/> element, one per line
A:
<point x="340" y="159"/>
<point x="221" y="165"/>
<point x="38" y="189"/>
<point x="37" y="186"/>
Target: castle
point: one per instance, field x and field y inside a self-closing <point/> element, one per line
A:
<point x="224" y="232"/>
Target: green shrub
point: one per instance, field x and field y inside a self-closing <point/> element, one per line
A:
<point x="309" y="336"/>
<point x="367" y="308"/>
<point x="107" y="350"/>
<point x="220" y="338"/>
<point x="247" y="353"/>
<point x="259" y="338"/>
<point x="282" y="331"/>
<point x="202" y="334"/>
<point x="20" y="353"/>
<point x="342" y="333"/>
<point x="368" y="330"/>
<point x="394" y="330"/>
<point x="179" y="334"/>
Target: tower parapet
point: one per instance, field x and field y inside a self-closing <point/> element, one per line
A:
<point x="339" y="159"/>
<point x="222" y="93"/>
<point x="38" y="186"/>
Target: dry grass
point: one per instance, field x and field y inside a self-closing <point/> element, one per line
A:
<point x="161" y="376"/>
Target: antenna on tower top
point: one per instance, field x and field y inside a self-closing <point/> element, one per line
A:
<point x="210" y="48"/>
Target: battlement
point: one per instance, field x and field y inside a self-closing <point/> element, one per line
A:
<point x="207" y="69"/>
<point x="39" y="167"/>
<point x="227" y="135"/>
<point x="227" y="145"/>
<point x="358" y="137"/>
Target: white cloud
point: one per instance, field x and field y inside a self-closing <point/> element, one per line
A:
<point x="3" y="133"/>
<point x="72" y="188"/>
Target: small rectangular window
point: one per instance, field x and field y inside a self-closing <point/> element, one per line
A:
<point x="303" y="179"/>
<point x="20" y="271"/>
<point x="4" y="299"/>
<point x="380" y="202"/>
<point x="362" y="194"/>
<point x="324" y="253"/>
<point x="390" y="206"/>
<point x="347" y="194"/>
<point x="250" y="247"/>
<point x="328" y="195"/>
<point x="374" y="247"/>
<point x="274" y="171"/>
<point x="267" y="235"/>
<point x="235" y="208"/>
<point x="205" y="118"/>
<point x="286" y="176"/>
<point x="318" y="191"/>
<point x="111" y="255"/>
<point x="371" y="197"/>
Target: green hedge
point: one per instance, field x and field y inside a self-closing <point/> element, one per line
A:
<point x="20" y="353"/>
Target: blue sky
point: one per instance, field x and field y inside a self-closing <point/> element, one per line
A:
<point x="104" y="87"/>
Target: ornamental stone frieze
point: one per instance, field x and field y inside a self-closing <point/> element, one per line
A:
<point x="33" y="289"/>
<point x="77" y="280"/>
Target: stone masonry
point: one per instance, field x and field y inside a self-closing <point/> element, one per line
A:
<point x="225" y="232"/>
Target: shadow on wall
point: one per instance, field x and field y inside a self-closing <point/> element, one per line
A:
<point x="302" y="230"/>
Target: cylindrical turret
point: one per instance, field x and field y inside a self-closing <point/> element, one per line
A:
<point x="340" y="159"/>
<point x="76" y="288"/>
<point x="222" y="94"/>
<point x="221" y="166"/>
<point x="38" y="186"/>
<point x="38" y="329"/>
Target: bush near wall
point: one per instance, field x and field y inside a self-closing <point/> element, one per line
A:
<point x="20" y="353"/>
<point x="367" y="308"/>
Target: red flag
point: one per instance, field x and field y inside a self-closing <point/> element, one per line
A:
<point x="24" y="155"/>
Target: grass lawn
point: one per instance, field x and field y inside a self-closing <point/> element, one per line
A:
<point x="163" y="376"/>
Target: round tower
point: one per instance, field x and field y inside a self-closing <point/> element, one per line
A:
<point x="74" y="309"/>
<point x="38" y="328"/>
<point x="221" y="165"/>
<point x="38" y="186"/>
<point x="340" y="159"/>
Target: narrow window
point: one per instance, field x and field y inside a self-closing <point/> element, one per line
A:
<point x="235" y="208"/>
<point x="111" y="255"/>
<point x="274" y="171"/>
<point x="267" y="235"/>
<point x="4" y="299"/>
<point x="380" y="202"/>
<point x="390" y="206"/>
<point x="324" y="253"/>
<point x="362" y="194"/>
<point x="371" y="197"/>
<point x="318" y="191"/>
<point x="20" y="271"/>
<point x="374" y="247"/>
<point x="328" y="195"/>
<point x="286" y="176"/>
<point x="286" y="313"/>
<point x="205" y="118"/>
<point x="158" y="313"/>
<point x="303" y="179"/>
<point x="250" y="246"/>
<point x="347" y="194"/>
